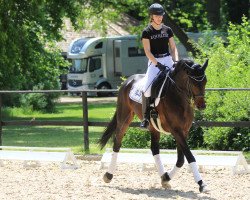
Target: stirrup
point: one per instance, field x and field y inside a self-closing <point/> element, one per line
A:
<point x="144" y="123"/>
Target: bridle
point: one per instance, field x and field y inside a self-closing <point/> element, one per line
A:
<point x="196" y="79"/>
<point x="188" y="91"/>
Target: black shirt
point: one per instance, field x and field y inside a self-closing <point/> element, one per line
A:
<point x="158" y="38"/>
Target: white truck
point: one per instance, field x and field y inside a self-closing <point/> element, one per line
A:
<point x="99" y="63"/>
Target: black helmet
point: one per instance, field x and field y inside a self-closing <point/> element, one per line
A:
<point x="156" y="9"/>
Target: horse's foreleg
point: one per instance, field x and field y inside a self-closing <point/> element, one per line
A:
<point x="122" y="126"/>
<point x="192" y="162"/>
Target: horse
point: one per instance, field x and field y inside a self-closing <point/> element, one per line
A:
<point x="176" y="113"/>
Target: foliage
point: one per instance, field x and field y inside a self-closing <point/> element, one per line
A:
<point x="167" y="142"/>
<point x="229" y="66"/>
<point x="28" y="31"/>
<point x="136" y="138"/>
<point x="40" y="101"/>
<point x="187" y="14"/>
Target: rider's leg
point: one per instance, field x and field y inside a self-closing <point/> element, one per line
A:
<point x="151" y="73"/>
<point x="145" y="111"/>
<point x="167" y="61"/>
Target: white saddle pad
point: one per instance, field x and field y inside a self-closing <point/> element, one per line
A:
<point x="135" y="93"/>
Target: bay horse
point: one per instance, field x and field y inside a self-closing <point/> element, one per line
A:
<point x="176" y="113"/>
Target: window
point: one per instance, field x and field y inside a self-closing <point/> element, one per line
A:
<point x="78" y="45"/>
<point x="117" y="52"/>
<point x="79" y="66"/>
<point x="99" y="45"/>
<point x="94" y="64"/>
<point x="135" y="51"/>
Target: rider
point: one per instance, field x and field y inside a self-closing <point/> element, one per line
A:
<point x="156" y="40"/>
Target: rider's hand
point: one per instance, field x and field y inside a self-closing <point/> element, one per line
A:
<point x="160" y="66"/>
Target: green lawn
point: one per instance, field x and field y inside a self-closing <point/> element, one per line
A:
<point x="56" y="136"/>
<point x="73" y="111"/>
<point x="52" y="136"/>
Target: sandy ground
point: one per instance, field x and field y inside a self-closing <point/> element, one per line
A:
<point x="129" y="183"/>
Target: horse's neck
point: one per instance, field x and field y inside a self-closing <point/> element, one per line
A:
<point x="180" y="87"/>
<point x="181" y="80"/>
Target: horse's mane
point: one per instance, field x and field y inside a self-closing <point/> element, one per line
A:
<point x="179" y="66"/>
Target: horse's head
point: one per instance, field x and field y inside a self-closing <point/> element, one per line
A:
<point x="196" y="82"/>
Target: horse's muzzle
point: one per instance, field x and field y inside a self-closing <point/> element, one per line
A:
<point x="200" y="103"/>
<point x="202" y="107"/>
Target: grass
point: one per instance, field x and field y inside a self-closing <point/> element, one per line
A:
<point x="50" y="136"/>
<point x="56" y="136"/>
<point x="97" y="112"/>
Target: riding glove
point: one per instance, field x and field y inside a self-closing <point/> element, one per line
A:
<point x="160" y="66"/>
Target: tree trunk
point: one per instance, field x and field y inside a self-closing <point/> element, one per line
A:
<point x="213" y="13"/>
<point x="181" y="35"/>
<point x="236" y="9"/>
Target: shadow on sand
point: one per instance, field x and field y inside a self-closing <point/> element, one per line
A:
<point x="162" y="193"/>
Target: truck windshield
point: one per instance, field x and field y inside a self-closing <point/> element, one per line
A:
<point x="79" y="66"/>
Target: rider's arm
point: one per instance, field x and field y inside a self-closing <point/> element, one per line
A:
<point x="146" y="46"/>
<point x="174" y="52"/>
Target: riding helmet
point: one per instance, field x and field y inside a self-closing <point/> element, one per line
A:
<point x="156" y="9"/>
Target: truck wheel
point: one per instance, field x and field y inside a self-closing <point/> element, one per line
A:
<point x="104" y="86"/>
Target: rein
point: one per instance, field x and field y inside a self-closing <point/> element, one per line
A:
<point x="187" y="91"/>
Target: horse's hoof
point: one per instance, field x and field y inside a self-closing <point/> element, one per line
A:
<point x="165" y="181"/>
<point x="204" y="188"/>
<point x="165" y="184"/>
<point x="107" y="177"/>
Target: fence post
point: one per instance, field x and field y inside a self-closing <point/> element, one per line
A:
<point x="85" y="121"/>
<point x="1" y="132"/>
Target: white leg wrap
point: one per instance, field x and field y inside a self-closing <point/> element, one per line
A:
<point x="112" y="165"/>
<point x="159" y="164"/>
<point x="194" y="168"/>
<point x="173" y="171"/>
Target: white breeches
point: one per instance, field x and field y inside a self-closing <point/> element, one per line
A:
<point x="153" y="71"/>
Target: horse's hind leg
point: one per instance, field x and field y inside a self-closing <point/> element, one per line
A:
<point x="123" y="121"/>
<point x="179" y="163"/>
<point x="155" y="137"/>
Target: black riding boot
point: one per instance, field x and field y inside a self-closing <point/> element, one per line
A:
<point x="145" y="112"/>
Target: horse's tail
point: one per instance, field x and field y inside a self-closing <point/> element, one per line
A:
<point x="109" y="131"/>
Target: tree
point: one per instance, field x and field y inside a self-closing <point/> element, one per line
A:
<point x="236" y="9"/>
<point x="213" y="12"/>
<point x="28" y="31"/>
<point x="227" y="71"/>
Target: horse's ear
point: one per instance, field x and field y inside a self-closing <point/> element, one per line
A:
<point x="205" y="65"/>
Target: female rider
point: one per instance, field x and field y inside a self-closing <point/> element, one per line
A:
<point x="156" y="39"/>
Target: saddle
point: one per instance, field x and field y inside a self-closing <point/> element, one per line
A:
<point x="159" y="87"/>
